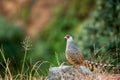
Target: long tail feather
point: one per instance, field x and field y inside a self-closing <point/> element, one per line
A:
<point x="93" y="65"/>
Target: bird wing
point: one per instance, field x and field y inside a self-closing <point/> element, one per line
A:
<point x="75" y="57"/>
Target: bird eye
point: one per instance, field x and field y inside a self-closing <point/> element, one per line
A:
<point x="67" y="36"/>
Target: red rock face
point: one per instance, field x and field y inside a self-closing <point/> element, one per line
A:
<point x="41" y="13"/>
<point x="10" y="8"/>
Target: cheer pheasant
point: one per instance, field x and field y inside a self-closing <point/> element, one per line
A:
<point x="75" y="57"/>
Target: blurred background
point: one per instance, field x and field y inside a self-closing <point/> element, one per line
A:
<point x="94" y="25"/>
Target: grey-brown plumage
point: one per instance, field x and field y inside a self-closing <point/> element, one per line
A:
<point x="75" y="57"/>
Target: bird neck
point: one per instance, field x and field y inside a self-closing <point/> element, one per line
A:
<point x="70" y="44"/>
<point x="70" y="39"/>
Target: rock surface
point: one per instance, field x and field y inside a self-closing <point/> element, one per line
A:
<point x="67" y="73"/>
<point x="78" y="73"/>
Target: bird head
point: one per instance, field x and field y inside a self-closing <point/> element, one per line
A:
<point x="68" y="37"/>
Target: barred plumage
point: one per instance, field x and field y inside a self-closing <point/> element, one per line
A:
<point x="94" y="65"/>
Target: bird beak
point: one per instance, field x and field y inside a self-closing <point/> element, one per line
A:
<point x="65" y="37"/>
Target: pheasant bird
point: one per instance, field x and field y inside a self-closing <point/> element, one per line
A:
<point x="75" y="57"/>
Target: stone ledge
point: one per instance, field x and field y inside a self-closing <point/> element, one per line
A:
<point x="67" y="73"/>
<point x="78" y="73"/>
